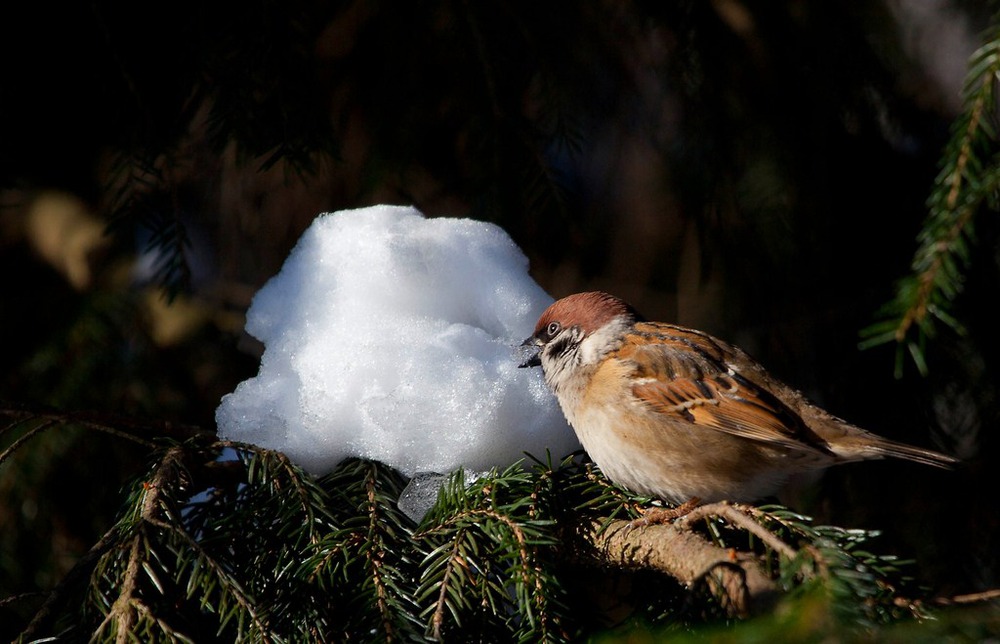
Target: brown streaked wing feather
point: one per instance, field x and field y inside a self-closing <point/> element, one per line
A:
<point x="690" y="339"/>
<point x="682" y="375"/>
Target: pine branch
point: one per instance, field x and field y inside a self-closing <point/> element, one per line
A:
<point x="258" y="549"/>
<point x="123" y="614"/>
<point x="376" y="555"/>
<point x="969" y="176"/>
<point x="23" y="438"/>
<point x="365" y="560"/>
<point x="523" y="571"/>
<point x="269" y="468"/>
<point x="128" y="428"/>
<point x="738" y="516"/>
<point x="479" y="535"/>
<point x="163" y="559"/>
<point x="455" y="558"/>
<point x="857" y="581"/>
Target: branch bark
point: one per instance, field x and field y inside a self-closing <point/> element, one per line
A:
<point x="735" y="577"/>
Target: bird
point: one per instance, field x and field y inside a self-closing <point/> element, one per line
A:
<point x="677" y="414"/>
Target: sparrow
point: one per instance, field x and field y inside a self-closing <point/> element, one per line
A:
<point x="677" y="414"/>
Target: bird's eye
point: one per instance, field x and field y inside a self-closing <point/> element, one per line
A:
<point x="552" y="329"/>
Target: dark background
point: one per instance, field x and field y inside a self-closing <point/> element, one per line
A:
<point x="755" y="169"/>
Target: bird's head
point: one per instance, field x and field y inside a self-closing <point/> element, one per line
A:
<point x="578" y="330"/>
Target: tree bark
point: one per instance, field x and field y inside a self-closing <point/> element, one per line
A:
<point x="736" y="578"/>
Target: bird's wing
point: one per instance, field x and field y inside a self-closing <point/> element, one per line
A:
<point x="684" y="373"/>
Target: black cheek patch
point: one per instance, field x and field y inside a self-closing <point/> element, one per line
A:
<point x="559" y="347"/>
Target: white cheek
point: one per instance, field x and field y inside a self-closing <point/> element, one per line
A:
<point x="597" y="344"/>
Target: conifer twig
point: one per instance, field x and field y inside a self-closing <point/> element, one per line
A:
<point x="969" y="176"/>
<point x="969" y="598"/>
<point x="437" y="620"/>
<point x="123" y="610"/>
<point x="25" y="438"/>
<point x="133" y="429"/>
<point x="376" y="554"/>
<point x="736" y="516"/>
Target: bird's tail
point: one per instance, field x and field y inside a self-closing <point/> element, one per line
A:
<point x="877" y="447"/>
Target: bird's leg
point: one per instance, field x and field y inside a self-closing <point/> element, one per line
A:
<point x="652" y="516"/>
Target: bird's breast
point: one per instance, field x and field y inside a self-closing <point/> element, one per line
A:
<point x="603" y="408"/>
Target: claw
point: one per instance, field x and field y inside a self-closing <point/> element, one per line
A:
<point x="663" y="515"/>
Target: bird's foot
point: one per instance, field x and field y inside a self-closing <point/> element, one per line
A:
<point x="653" y="516"/>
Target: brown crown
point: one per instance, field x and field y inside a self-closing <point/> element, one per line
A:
<point x="590" y="311"/>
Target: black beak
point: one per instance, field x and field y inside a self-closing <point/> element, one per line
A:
<point x="535" y="358"/>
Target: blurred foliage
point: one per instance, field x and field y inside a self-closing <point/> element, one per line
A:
<point x="757" y="169"/>
<point x="228" y="541"/>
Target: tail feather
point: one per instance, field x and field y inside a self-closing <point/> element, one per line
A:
<point x="881" y="447"/>
<point x="852" y="443"/>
